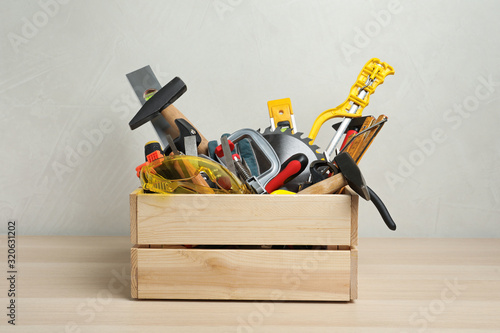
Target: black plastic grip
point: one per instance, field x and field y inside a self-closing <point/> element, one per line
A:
<point x="382" y="209"/>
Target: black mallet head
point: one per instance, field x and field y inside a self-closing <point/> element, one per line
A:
<point x="162" y="99"/>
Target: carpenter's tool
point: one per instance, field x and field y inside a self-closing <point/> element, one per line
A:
<point x="145" y="85"/>
<point x="372" y="75"/>
<point x="348" y="135"/>
<point x="224" y="152"/>
<point x="244" y="149"/>
<point x="269" y="163"/>
<point x="320" y="170"/>
<point x="281" y="114"/>
<point x="351" y="130"/>
<point x="285" y="144"/>
<point x="228" y="157"/>
<point x="152" y="152"/>
<point x="191" y="145"/>
<point x="289" y="170"/>
<point x="247" y="153"/>
<point x="350" y="175"/>
<point x="242" y="170"/>
<point x="161" y="103"/>
<point x="355" y="144"/>
<point x="369" y="136"/>
<point x="185" y="130"/>
<point x="219" y="152"/>
<point x="171" y="144"/>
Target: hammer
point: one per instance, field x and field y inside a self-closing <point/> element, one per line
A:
<point x="161" y="104"/>
<point x="350" y="175"/>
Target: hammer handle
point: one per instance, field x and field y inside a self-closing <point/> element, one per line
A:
<point x="171" y="113"/>
<point x="329" y="185"/>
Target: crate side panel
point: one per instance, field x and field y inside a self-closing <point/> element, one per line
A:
<point x="244" y="274"/>
<point x="133" y="272"/>
<point x="354" y="215"/>
<point x="133" y="215"/>
<point x="354" y="273"/>
<point x="244" y="219"/>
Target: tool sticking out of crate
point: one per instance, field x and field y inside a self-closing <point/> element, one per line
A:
<point x="312" y="253"/>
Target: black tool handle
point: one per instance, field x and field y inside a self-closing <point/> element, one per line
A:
<point x="382" y="209"/>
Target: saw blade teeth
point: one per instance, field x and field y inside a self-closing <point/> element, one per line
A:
<point x="298" y="135"/>
<point x="267" y="130"/>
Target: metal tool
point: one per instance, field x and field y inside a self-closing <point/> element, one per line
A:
<point x="285" y="144"/>
<point x="281" y="114"/>
<point x="350" y="175"/>
<point x="353" y="128"/>
<point x="369" y="137"/>
<point x="160" y="104"/>
<point x="371" y="76"/>
<point x="191" y="145"/>
<point x="269" y="163"/>
<point x="228" y="157"/>
<point x="171" y="144"/>
<point x="143" y="80"/>
<point x="242" y="169"/>
<point x="185" y="129"/>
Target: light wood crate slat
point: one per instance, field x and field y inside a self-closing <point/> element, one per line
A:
<point x="243" y="219"/>
<point x="133" y="272"/>
<point x="243" y="274"/>
<point x="354" y="273"/>
<point x="354" y="215"/>
<point x="133" y="215"/>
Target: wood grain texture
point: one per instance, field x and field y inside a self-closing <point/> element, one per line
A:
<point x="354" y="215"/>
<point x="243" y="219"/>
<point x="327" y="186"/>
<point x="354" y="273"/>
<point x="355" y="145"/>
<point x="398" y="278"/>
<point x="368" y="139"/>
<point x="133" y="215"/>
<point x="133" y="272"/>
<point x="244" y="274"/>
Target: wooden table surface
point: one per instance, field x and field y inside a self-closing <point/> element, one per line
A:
<point x="81" y="284"/>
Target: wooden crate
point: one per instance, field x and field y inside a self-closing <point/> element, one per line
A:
<point x="162" y="268"/>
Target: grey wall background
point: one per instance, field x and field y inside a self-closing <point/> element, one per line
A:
<point x="68" y="156"/>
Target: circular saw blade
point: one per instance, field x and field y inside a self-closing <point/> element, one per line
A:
<point x="285" y="144"/>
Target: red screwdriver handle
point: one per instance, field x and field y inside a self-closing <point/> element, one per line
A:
<point x="289" y="170"/>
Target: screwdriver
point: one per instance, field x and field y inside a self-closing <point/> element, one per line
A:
<point x="290" y="169"/>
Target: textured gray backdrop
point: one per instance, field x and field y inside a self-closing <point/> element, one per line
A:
<point x="68" y="155"/>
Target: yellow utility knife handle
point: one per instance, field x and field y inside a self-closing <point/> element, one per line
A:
<point x="376" y="71"/>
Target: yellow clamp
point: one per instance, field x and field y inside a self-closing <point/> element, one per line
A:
<point x="374" y="70"/>
<point x="281" y="114"/>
